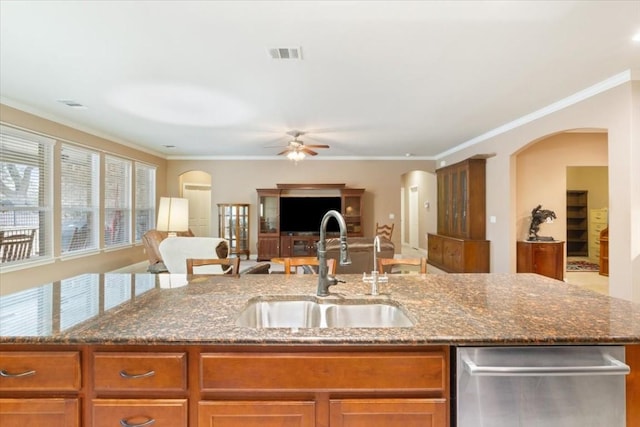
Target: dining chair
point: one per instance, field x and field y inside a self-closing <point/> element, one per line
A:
<point x="386" y="265"/>
<point x="384" y="230"/>
<point x="230" y="266"/>
<point x="14" y="247"/>
<point x="307" y="264"/>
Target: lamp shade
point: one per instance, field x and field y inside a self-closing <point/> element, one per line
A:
<point x="173" y="214"/>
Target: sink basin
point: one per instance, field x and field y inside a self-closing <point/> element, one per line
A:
<point x="310" y="312"/>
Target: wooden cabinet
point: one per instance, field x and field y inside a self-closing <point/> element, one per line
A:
<point x="268" y="224"/>
<point x="388" y="412"/>
<point x="458" y="255"/>
<point x="354" y="388"/>
<point x="48" y="384"/>
<point x="124" y="381"/>
<point x="233" y="225"/>
<point x="604" y="252"/>
<point x="541" y="257"/>
<point x="577" y="226"/>
<point x="460" y="245"/>
<point x="293" y="246"/>
<point x="273" y="242"/>
<point x="352" y="210"/>
<point x="462" y="199"/>
<point x="257" y="414"/>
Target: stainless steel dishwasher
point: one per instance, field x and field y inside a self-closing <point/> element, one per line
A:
<point x="581" y="386"/>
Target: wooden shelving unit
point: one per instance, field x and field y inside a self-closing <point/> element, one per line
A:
<point x="577" y="223"/>
<point x="233" y="225"/>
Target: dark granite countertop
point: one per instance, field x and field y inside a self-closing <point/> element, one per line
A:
<point x="454" y="309"/>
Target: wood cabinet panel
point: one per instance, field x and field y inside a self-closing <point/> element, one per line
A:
<point x="632" y="358"/>
<point x="458" y="255"/>
<point x="114" y="372"/>
<point x="40" y="371"/>
<point x="52" y="412"/>
<point x="388" y="412"/>
<point x="256" y="414"/>
<point x="545" y="258"/>
<point x="137" y="412"/>
<point x="268" y="247"/>
<point x="281" y="371"/>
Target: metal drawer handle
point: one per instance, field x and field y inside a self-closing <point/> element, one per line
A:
<point x="125" y="423"/>
<point x="614" y="367"/>
<point x="124" y="374"/>
<point x="6" y="374"/>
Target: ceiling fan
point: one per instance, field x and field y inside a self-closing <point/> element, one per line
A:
<point x="297" y="150"/>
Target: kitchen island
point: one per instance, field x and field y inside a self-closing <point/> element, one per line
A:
<point x="121" y="347"/>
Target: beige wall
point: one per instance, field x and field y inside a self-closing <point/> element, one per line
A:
<point x="594" y="179"/>
<point x="61" y="267"/>
<point x="541" y="176"/>
<point x="615" y="111"/>
<point x="427" y="193"/>
<point x="236" y="182"/>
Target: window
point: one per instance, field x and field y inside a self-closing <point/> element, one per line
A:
<point x="145" y="199"/>
<point x="25" y="196"/>
<point x="79" y="193"/>
<point x="117" y="201"/>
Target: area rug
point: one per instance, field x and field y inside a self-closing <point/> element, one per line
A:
<point x="582" y="266"/>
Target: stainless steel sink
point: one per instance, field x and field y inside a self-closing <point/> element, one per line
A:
<point x="311" y="312"/>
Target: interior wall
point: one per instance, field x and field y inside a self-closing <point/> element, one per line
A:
<point x="105" y="260"/>
<point x="541" y="176"/>
<point x="236" y="181"/>
<point x="427" y="201"/>
<point x="594" y="179"/>
<point x="616" y="111"/>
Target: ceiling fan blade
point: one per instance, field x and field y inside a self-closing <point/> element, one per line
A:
<point x="283" y="152"/>
<point x="316" y="145"/>
<point x="307" y="151"/>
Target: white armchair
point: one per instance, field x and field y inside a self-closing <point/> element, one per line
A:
<point x="176" y="250"/>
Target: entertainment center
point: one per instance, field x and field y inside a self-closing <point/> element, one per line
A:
<point x="289" y="217"/>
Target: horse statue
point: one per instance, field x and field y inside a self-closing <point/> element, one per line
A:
<point x="538" y="216"/>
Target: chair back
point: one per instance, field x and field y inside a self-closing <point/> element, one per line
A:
<point x="384" y="230"/>
<point x="14" y="247"/>
<point x="386" y="265"/>
<point x="230" y="266"/>
<point x="303" y="262"/>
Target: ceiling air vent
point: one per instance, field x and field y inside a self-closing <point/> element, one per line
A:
<point x="73" y="104"/>
<point x="285" y="52"/>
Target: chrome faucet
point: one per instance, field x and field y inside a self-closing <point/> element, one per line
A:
<point x="324" y="280"/>
<point x="375" y="278"/>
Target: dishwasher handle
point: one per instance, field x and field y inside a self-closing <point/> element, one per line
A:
<point x="614" y="367"/>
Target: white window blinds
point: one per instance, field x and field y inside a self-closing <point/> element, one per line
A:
<point x="117" y="201"/>
<point x="25" y="196"/>
<point x="80" y="192"/>
<point x="145" y="199"/>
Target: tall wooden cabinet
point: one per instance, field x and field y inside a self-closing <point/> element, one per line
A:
<point x="460" y="244"/>
<point x="541" y="257"/>
<point x="233" y="225"/>
<point x="268" y="224"/>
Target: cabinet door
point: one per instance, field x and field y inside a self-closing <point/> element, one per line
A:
<point x="453" y="256"/>
<point x="546" y="262"/>
<point x="256" y="414"/>
<point x="139" y="412"/>
<point x="435" y="249"/>
<point x="388" y="412"/>
<point x="268" y="247"/>
<point x="39" y="412"/>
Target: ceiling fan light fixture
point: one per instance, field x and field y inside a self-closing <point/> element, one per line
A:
<point x="295" y="155"/>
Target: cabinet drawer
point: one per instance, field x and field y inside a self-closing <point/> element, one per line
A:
<point x="139" y="372"/>
<point x="323" y="371"/>
<point x="139" y="412"/>
<point x="41" y="371"/>
<point x="256" y="413"/>
<point x="388" y="412"/>
<point x="39" y="412"/>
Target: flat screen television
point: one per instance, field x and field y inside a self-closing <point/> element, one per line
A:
<point x="304" y="214"/>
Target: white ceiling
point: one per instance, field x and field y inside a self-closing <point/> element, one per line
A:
<point x="378" y="79"/>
